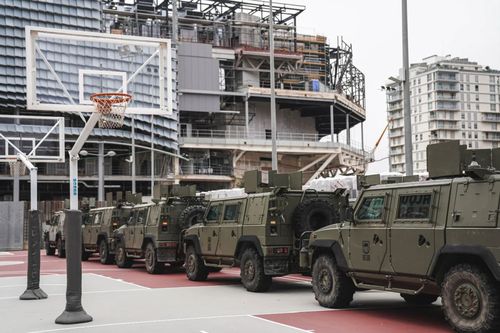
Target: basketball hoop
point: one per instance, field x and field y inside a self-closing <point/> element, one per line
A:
<point x="18" y="167"/>
<point x="112" y="108"/>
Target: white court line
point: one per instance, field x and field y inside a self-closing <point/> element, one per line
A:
<point x="6" y="254"/>
<point x="128" y="323"/>
<point x="280" y="324"/>
<point x="84" y="293"/>
<point x="11" y="263"/>
<point x="24" y="285"/>
<point x="119" y="280"/>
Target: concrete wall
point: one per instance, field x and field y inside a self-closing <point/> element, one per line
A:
<point x="288" y="121"/>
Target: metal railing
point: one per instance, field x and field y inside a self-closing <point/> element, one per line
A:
<point x="263" y="137"/>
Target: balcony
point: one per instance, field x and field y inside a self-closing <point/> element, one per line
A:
<point x="394" y="97"/>
<point x="446" y="106"/>
<point x="447" y="98"/>
<point x="260" y="141"/>
<point x="447" y="87"/>
<point x="442" y="125"/>
<point x="491" y="118"/>
<point x="394" y="107"/>
<point x="446" y="77"/>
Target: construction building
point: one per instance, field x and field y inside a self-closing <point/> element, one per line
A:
<point x="221" y="124"/>
<point x="451" y="99"/>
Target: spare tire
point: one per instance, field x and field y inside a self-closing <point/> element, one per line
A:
<point x="313" y="214"/>
<point x="191" y="215"/>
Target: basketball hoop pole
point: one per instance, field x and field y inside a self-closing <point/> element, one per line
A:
<point x="33" y="290"/>
<point x="74" y="312"/>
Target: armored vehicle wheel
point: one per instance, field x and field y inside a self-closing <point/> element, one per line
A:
<point x="151" y="260"/>
<point x="214" y="269"/>
<point x="471" y="300"/>
<point x="252" y="272"/>
<point x="104" y="256"/>
<point x="61" y="251"/>
<point x="195" y="268"/>
<point x="85" y="255"/>
<point x="332" y="288"/>
<point x="191" y="216"/>
<point x="49" y="250"/>
<point x="122" y="260"/>
<point x="419" y="299"/>
<point x="313" y="214"/>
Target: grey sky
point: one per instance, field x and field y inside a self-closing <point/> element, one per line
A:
<point x="463" y="28"/>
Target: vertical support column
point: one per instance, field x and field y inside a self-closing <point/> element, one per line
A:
<point x="247" y="120"/>
<point x="33" y="290"/>
<point x="15" y="186"/>
<point x="274" y="150"/>
<point x="74" y="312"/>
<point x="332" y="123"/>
<point x="406" y="95"/>
<point x="133" y="171"/>
<point x="348" y="129"/>
<point x="100" y="171"/>
<point x="152" y="156"/>
<point x="362" y="138"/>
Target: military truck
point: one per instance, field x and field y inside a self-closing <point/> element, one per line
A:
<point x="259" y="232"/>
<point x="97" y="231"/>
<point x="54" y="235"/>
<point x="153" y="231"/>
<point x="424" y="240"/>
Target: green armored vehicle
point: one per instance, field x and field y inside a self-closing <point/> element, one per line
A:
<point x="424" y="240"/>
<point x="154" y="231"/>
<point x="97" y="231"/>
<point x="259" y="232"/>
<point x="54" y="235"/>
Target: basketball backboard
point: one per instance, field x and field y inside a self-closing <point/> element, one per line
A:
<point x="39" y="138"/>
<point x="64" y="67"/>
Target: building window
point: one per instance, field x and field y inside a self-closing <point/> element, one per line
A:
<point x="477" y="106"/>
<point x="468" y="106"/>
<point x="462" y="87"/>
<point x="467" y="87"/>
<point x="429" y="77"/>
<point x="462" y="116"/>
<point x="492" y="79"/>
<point x="463" y="135"/>
<point x="493" y="98"/>
<point x="477" y="98"/>
<point x="476" y="78"/>
<point x="468" y="78"/>
<point x="493" y="107"/>
<point x="492" y="88"/>
<point x="475" y="125"/>
<point x="476" y="87"/>
<point x="475" y="135"/>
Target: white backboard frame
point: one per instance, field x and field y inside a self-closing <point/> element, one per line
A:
<point x="12" y="152"/>
<point x="163" y="52"/>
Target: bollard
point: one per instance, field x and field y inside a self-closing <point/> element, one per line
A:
<point x="74" y="312"/>
<point x="33" y="290"/>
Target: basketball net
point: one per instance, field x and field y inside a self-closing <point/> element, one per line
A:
<point x="112" y="107"/>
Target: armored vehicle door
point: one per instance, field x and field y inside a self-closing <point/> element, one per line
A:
<point x="230" y="227"/>
<point x="209" y="233"/>
<point x="152" y="221"/>
<point x="412" y="229"/>
<point x="476" y="204"/>
<point x="368" y="232"/>
<point x="139" y="227"/>
<point x="89" y="228"/>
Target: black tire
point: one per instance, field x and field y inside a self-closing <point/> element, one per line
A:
<point x="151" y="260"/>
<point x="419" y="299"/>
<point x="121" y="258"/>
<point x="332" y="288"/>
<point x="191" y="216"/>
<point x="252" y="273"/>
<point x="313" y="214"/>
<point x="471" y="300"/>
<point x="61" y="250"/>
<point x="104" y="256"/>
<point x="195" y="268"/>
<point x="49" y="251"/>
<point x="214" y="269"/>
<point x="85" y="255"/>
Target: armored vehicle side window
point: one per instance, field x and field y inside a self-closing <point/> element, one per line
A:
<point x="231" y="212"/>
<point x="415" y="206"/>
<point x="214" y="213"/>
<point x="142" y="216"/>
<point x="371" y="209"/>
<point x="97" y="218"/>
